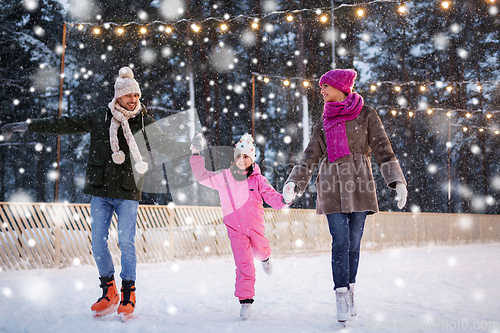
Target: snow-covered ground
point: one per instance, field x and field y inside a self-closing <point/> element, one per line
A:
<point x="427" y="289"/>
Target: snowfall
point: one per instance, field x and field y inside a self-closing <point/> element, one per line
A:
<point x="420" y="289"/>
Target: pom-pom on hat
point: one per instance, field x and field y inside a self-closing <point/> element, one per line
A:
<point x="341" y="79"/>
<point x="245" y="146"/>
<point x="125" y="83"/>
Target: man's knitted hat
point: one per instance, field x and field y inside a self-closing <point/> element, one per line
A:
<point x="341" y="79"/>
<point x="125" y="83"/>
<point x="245" y="146"/>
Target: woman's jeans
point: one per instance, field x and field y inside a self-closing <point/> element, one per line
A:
<point x="101" y="212"/>
<point x="346" y="230"/>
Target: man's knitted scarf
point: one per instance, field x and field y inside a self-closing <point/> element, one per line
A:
<point x="120" y="118"/>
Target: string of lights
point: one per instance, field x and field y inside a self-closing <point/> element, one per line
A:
<point x="167" y="26"/>
<point x="229" y="18"/>
<point x="323" y="17"/>
<point x="423" y="85"/>
<point x="480" y="129"/>
<point x="469" y="114"/>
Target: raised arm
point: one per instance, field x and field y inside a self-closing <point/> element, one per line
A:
<point x="208" y="178"/>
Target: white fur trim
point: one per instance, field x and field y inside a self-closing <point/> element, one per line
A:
<point x="141" y="167"/>
<point x="118" y="157"/>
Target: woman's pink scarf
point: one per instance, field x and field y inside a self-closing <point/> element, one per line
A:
<point x="335" y="115"/>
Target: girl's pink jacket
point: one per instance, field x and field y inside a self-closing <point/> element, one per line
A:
<point x="241" y="201"/>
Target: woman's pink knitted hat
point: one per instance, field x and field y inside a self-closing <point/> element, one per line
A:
<point x="341" y="79"/>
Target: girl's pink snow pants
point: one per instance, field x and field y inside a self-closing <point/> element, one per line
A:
<point x="245" y="248"/>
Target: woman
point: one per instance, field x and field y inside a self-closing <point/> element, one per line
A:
<point x="343" y="141"/>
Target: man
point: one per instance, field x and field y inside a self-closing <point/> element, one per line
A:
<point x="110" y="179"/>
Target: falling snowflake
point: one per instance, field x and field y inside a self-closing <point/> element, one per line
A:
<point x="45" y="78"/>
<point x="341" y="51"/>
<point x="455" y="28"/>
<point x="402" y="102"/>
<point x="432" y="168"/>
<point x="270" y="5"/>
<point x="79" y="285"/>
<point x="462" y="53"/>
<point x="329" y="36"/>
<point x="248" y="38"/>
<point x="166" y="52"/>
<point x="39" y="31"/>
<point x="20" y="196"/>
<point x="142" y="15"/>
<point x="81" y="9"/>
<point x="7" y="292"/>
<point x="399" y="282"/>
<point x="148" y="56"/>
<point x="238" y="89"/>
<point x="465" y="223"/>
<point x="172" y="310"/>
<point x="30" y="5"/>
<point x="475" y="149"/>
<point x="172" y="9"/>
<point x="221" y="58"/>
<point x="441" y="41"/>
<point x="452" y="261"/>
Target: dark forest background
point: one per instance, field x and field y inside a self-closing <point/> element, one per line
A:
<point x="431" y="72"/>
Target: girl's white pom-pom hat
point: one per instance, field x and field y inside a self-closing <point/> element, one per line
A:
<point x="245" y="146"/>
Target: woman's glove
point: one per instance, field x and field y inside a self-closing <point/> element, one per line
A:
<point x="289" y="192"/>
<point x="197" y="143"/>
<point x="8" y="129"/>
<point x="401" y="194"/>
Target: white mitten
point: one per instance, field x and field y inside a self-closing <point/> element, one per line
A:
<point x="401" y="194"/>
<point x="289" y="192"/>
<point x="193" y="149"/>
<point x="197" y="143"/>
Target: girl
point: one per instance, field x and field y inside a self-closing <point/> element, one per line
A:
<point x="344" y="140"/>
<point x="241" y="190"/>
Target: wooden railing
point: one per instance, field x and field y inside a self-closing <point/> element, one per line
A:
<point x="41" y="235"/>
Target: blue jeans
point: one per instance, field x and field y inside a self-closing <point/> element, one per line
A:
<point x="346" y="230"/>
<point x="101" y="212"/>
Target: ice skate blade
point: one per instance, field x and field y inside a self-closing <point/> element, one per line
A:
<point x="103" y="313"/>
<point x="125" y="317"/>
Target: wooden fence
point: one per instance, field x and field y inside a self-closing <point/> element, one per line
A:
<point x="41" y="235"/>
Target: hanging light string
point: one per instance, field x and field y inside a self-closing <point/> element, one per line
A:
<point x="395" y="111"/>
<point x="402" y="10"/>
<point x="449" y="86"/>
<point x="287" y="81"/>
<point x="228" y="18"/>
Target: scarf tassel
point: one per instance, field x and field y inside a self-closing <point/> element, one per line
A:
<point x="118" y="157"/>
<point x="141" y="167"/>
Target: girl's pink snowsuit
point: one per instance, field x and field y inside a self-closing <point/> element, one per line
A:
<point x="243" y="213"/>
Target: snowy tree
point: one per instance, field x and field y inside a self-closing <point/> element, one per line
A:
<point x="31" y="40"/>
